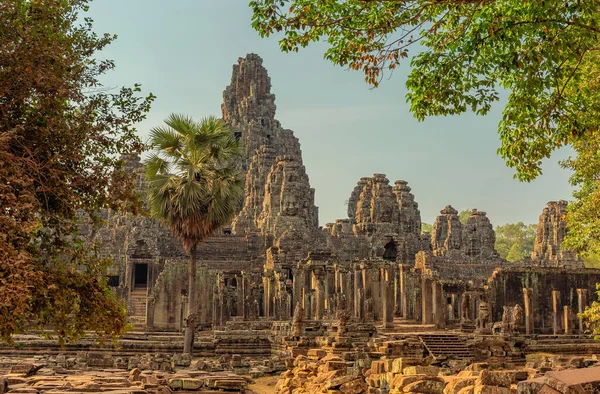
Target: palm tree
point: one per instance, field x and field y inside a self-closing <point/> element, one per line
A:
<point x="194" y="187"/>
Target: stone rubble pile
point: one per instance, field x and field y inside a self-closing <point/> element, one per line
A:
<point x="26" y="378"/>
<point x="320" y="372"/>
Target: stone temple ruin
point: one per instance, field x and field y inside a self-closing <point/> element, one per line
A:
<point x="297" y="286"/>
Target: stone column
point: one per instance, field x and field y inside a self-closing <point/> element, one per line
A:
<point x="328" y="279"/>
<point x="581" y="304"/>
<point x="267" y="295"/>
<point x="319" y="293"/>
<point x="297" y="288"/>
<point x="527" y="300"/>
<point x="360" y="296"/>
<point x="149" y="313"/>
<point x="427" y="301"/>
<point x="349" y="284"/>
<point x="244" y="310"/>
<point x="434" y="304"/>
<point x="440" y="311"/>
<point x="567" y="319"/>
<point x="366" y="282"/>
<point x="387" y="316"/>
<point x="403" y="291"/>
<point x="556" y="311"/>
<point x="357" y="286"/>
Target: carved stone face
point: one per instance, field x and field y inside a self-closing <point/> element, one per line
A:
<point x="291" y="207"/>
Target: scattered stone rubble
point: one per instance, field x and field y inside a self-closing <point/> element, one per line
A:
<point x="27" y="378"/>
<point x="327" y="373"/>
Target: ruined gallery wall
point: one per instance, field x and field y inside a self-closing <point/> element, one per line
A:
<point x="507" y="284"/>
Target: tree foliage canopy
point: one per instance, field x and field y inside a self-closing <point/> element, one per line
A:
<point x="463" y="54"/>
<point x="514" y="241"/>
<point x="61" y="136"/>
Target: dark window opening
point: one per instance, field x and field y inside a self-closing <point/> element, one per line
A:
<point x="140" y="278"/>
<point x="391" y="251"/>
<point x="113" y="280"/>
<point x="238" y="135"/>
<point x="227" y="231"/>
<point x="262" y="122"/>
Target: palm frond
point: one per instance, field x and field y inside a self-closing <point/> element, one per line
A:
<point x="195" y="187"/>
<point x="165" y="139"/>
<point x="156" y="165"/>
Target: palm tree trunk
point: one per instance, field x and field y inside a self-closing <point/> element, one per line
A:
<point x="190" y="326"/>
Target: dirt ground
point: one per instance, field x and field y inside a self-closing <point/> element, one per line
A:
<point x="264" y="385"/>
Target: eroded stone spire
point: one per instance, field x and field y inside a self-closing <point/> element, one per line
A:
<point x="478" y="237"/>
<point x="551" y="231"/>
<point x="447" y="232"/>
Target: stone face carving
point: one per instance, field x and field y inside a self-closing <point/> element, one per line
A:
<point x="551" y="231"/>
<point x="288" y="199"/>
<point x="478" y="236"/>
<point x="254" y="190"/>
<point x="388" y="216"/>
<point x="447" y="232"/>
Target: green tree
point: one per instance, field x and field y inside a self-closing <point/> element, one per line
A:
<point x="514" y="241"/>
<point x="61" y="137"/>
<point x="464" y="215"/>
<point x="426" y="228"/>
<point x="544" y="54"/>
<point x="591" y="315"/>
<point x="194" y="187"/>
<point x="591" y="261"/>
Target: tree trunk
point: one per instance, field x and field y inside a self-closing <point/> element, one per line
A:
<point x="190" y="321"/>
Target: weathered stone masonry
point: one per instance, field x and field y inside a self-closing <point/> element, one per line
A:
<point x="275" y="266"/>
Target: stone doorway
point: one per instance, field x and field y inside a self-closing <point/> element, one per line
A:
<point x="140" y="275"/>
<point x="390" y="251"/>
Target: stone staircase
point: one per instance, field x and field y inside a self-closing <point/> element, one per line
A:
<point x="136" y="311"/>
<point x="563" y="344"/>
<point x="447" y="345"/>
<point x="403" y="326"/>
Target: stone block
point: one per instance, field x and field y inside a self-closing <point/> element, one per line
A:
<point x="14" y="379"/>
<point x="480" y="389"/>
<point x="316" y="354"/>
<point x="356" y="386"/>
<point x="299" y="359"/>
<point x="398" y="364"/>
<point x="335" y="365"/>
<point x="401" y="381"/>
<point x="493" y="378"/>
<point x="458" y="383"/>
<point x="477" y="367"/>
<point x="337" y="382"/>
<point x="421" y="370"/>
<point x="530" y="386"/>
<point x="25" y="369"/>
<point x="427" y="386"/>
<point x="467" y="390"/>
<point x="377" y="367"/>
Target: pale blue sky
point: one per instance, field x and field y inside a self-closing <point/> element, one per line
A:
<point x="183" y="52"/>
